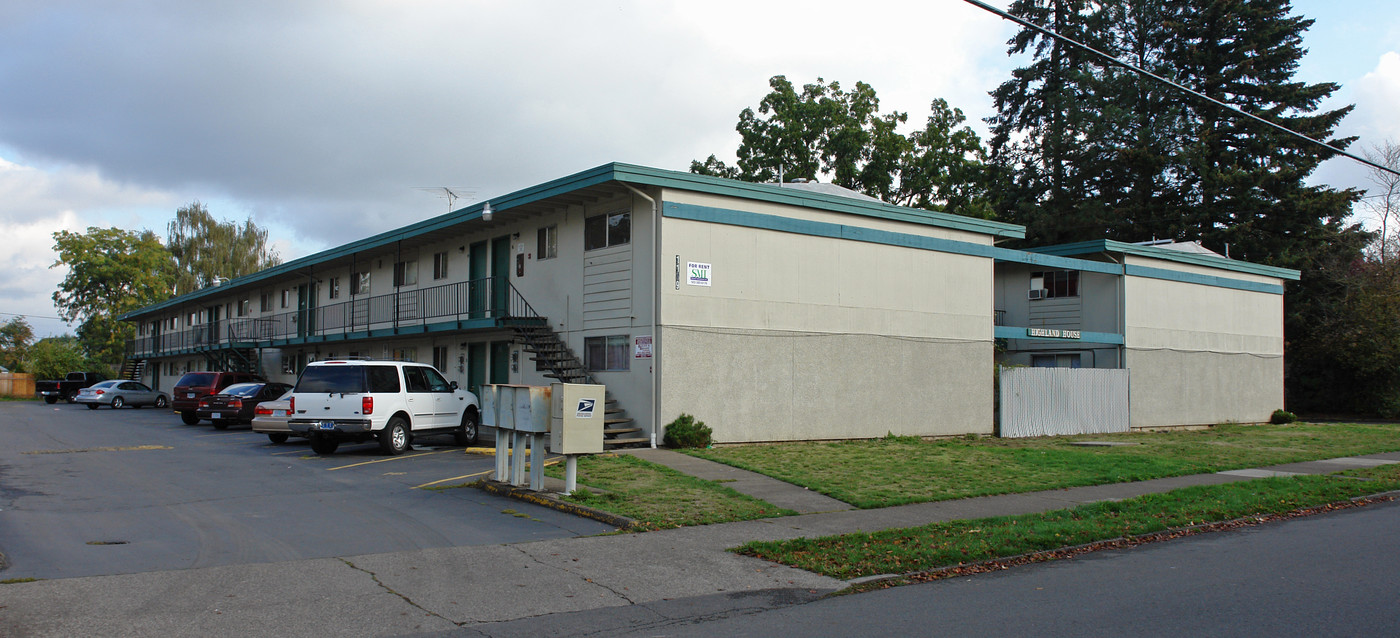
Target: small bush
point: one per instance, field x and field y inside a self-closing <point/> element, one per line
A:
<point x="686" y="432"/>
<point x="1282" y="417"/>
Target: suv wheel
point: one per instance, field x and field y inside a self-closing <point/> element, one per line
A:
<point x="467" y="434"/>
<point x="393" y="439"/>
<point x="324" y="446"/>
<point x="190" y="418"/>
<point x="277" y="437"/>
<point x="49" y="399"/>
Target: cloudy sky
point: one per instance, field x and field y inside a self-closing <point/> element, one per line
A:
<point x="323" y="120"/>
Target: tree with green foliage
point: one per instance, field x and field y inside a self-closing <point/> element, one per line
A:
<point x="206" y="249"/>
<point x="15" y="339"/>
<point x="55" y="357"/>
<point x="110" y="272"/>
<point x="826" y="131"/>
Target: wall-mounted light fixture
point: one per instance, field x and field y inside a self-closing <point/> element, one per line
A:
<point x="486" y="212"/>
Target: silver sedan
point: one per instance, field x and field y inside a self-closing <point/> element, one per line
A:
<point x="118" y="393"/>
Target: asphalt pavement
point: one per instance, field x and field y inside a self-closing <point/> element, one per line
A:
<point x="593" y="585"/>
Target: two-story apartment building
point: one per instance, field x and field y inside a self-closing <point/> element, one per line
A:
<point x="771" y="312"/>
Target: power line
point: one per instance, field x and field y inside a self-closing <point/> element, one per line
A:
<point x="1141" y="71"/>
<point x="25" y="314"/>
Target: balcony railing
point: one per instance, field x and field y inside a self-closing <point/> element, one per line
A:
<point x="488" y="298"/>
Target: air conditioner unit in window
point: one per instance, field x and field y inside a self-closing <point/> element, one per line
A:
<point x="1038" y="293"/>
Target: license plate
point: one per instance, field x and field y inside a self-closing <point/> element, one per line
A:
<point x="189" y="396"/>
<point x="216" y="415"/>
<point x="326" y="425"/>
<point x="279" y="413"/>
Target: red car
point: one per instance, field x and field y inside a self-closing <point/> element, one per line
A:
<point x="235" y="403"/>
<point x="192" y="387"/>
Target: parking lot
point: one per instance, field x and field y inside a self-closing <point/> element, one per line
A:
<point x="93" y="492"/>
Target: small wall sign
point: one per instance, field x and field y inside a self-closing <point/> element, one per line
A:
<point x="697" y="274"/>
<point x="1052" y="333"/>
<point x="641" y="347"/>
<point x="585" y="409"/>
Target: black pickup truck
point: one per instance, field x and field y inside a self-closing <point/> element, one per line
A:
<point x="66" y="389"/>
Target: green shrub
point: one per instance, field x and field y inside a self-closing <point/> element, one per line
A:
<point x="685" y="432"/>
<point x="1282" y="417"/>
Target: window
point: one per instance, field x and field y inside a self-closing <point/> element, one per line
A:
<point x="440" y="265"/>
<point x="333" y="288"/>
<point x="191" y="321"/>
<point x="285" y="295"/>
<point x="440" y="357"/>
<point x="405" y="273"/>
<point x="601" y="231"/>
<point x="405" y="354"/>
<point x="1055" y="360"/>
<point x="1056" y="283"/>
<point x="604" y="354"/>
<point x="548" y="243"/>
<point x="264" y="302"/>
<point x="244" y="307"/>
<point x="359" y="283"/>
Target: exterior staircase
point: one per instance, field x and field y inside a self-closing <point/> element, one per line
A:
<point x="132" y="369"/>
<point x="548" y="349"/>
<point x="234" y="360"/>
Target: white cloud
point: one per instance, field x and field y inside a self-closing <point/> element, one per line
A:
<point x="1377" y="97"/>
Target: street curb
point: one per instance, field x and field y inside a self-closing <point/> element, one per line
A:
<point x="879" y="581"/>
<point x="548" y="500"/>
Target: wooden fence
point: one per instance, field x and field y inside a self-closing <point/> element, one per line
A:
<point x="16" y="384"/>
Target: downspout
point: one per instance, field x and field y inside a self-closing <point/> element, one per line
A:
<point x="655" y="308"/>
<point x="1121" y="292"/>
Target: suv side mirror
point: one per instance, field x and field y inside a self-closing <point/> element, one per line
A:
<point x="454" y="386"/>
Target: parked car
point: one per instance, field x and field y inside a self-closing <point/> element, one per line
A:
<point x="270" y="418"/>
<point x="67" y="388"/>
<point x="235" y="403"/>
<point x="194" y="386"/>
<point x="389" y="401"/>
<point x="119" y="393"/>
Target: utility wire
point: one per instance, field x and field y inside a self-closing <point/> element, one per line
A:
<point x="1141" y="71"/>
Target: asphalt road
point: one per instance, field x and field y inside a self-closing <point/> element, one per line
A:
<point x="1335" y="574"/>
<point x="99" y="492"/>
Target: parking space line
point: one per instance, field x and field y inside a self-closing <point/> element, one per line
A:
<point x="395" y="458"/>
<point x="547" y="462"/>
<point x="289" y="452"/>
<point x="455" y="478"/>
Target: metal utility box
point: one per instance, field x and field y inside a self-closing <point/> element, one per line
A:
<point x="522" y="408"/>
<point x="577" y="413"/>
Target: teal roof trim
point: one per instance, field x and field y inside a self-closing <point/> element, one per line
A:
<point x="822" y="201"/>
<point x="1110" y="246"/>
<point x="1020" y="332"/>
<point x="618" y="172"/>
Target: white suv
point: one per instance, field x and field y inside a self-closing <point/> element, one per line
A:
<point x="391" y="401"/>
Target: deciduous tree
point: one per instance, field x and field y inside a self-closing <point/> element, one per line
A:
<point x="206" y="249"/>
<point x="15" y="339"/>
<point x="110" y="272"/>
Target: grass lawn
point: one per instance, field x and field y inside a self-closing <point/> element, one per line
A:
<point x="903" y="551"/>
<point x="658" y="497"/>
<point x="899" y="470"/>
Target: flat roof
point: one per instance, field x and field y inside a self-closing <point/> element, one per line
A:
<point x="613" y="172"/>
<point x="1154" y="252"/>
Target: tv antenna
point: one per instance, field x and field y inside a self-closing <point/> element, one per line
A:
<point x="450" y="193"/>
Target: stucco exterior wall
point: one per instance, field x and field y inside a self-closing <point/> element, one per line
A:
<point x="1202" y="354"/>
<point x="803" y="337"/>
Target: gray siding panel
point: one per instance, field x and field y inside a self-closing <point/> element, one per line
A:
<point x="1056" y="401"/>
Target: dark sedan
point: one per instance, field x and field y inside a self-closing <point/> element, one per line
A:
<point x="235" y="403"/>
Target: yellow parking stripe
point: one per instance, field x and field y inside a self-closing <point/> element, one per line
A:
<point x="395" y="458"/>
<point x="455" y="478"/>
<point x="128" y="448"/>
<point x="547" y="462"/>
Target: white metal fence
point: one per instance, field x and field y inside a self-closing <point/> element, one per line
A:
<point x="1052" y="401"/>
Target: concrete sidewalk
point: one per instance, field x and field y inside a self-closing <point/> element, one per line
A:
<point x="596" y="584"/>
